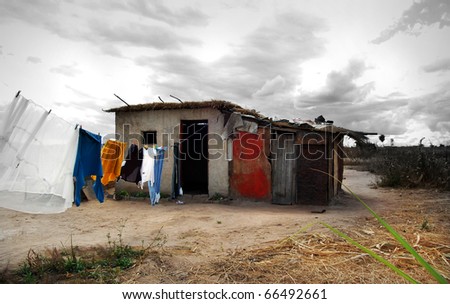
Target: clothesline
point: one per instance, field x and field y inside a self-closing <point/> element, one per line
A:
<point x="140" y="167"/>
<point x="44" y="160"/>
<point x="38" y="151"/>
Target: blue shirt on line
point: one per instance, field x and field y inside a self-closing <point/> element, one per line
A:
<point x="88" y="162"/>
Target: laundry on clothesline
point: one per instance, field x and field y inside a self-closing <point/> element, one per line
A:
<point x="37" y="156"/>
<point x="87" y="163"/>
<point x="131" y="169"/>
<point x="112" y="155"/>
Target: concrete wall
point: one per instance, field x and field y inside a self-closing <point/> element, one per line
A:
<point x="129" y="127"/>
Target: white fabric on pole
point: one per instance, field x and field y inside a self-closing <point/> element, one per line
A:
<point x="37" y="156"/>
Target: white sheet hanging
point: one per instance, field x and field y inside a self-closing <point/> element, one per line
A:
<point x="37" y="156"/>
<point x="147" y="167"/>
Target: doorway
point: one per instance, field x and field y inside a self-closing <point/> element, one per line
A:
<point x="194" y="156"/>
<point x="312" y="186"/>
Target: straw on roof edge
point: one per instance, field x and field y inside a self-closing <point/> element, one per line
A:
<point x="220" y="105"/>
<point x="227" y="106"/>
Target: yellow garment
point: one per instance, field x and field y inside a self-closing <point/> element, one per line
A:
<point x="112" y="156"/>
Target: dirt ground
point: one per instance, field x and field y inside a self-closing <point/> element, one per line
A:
<point x="202" y="237"/>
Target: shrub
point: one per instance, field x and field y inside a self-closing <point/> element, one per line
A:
<point x="98" y="264"/>
<point x="409" y="167"/>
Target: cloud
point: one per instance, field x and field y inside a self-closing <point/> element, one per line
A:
<point x="271" y="86"/>
<point x="432" y="109"/>
<point x="66" y="70"/>
<point x="136" y="34"/>
<point x="111" y="50"/>
<point x="271" y="53"/>
<point x="184" y="16"/>
<point x="349" y="103"/>
<point x="34" y="10"/>
<point x="341" y="87"/>
<point x="32" y="59"/>
<point x="385" y="116"/>
<point x="81" y="107"/>
<point x="86" y="21"/>
<point x="392" y="114"/>
<point x="441" y="65"/>
<point x="420" y="14"/>
<point x="25" y="9"/>
<point x="79" y="93"/>
<point x="155" y="10"/>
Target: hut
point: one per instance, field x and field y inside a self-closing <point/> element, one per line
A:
<point x="224" y="149"/>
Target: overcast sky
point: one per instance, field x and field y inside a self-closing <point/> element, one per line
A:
<point x="372" y="65"/>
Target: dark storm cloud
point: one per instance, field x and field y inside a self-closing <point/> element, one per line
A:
<point x="422" y="13"/>
<point x="386" y="116"/>
<point x="340" y="87"/>
<point x="391" y="114"/>
<point x="432" y="109"/>
<point x="349" y="104"/>
<point x="109" y="34"/>
<point x="437" y="66"/>
<point x="266" y="59"/>
<point x="279" y="49"/>
<point x="184" y="76"/>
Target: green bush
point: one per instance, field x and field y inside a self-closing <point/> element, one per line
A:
<point x="409" y="167"/>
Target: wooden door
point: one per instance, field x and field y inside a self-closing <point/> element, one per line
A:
<point x="284" y="162"/>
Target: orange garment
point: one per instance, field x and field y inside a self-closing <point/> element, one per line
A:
<point x="112" y="156"/>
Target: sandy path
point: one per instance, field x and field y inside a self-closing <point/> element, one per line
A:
<point x="208" y="228"/>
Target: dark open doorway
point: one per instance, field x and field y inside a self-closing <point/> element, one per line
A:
<point x="312" y="186"/>
<point x="194" y="156"/>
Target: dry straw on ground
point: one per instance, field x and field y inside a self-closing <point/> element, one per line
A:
<point x="312" y="257"/>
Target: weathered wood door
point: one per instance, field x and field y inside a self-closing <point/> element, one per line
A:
<point x="312" y="186"/>
<point x="284" y="165"/>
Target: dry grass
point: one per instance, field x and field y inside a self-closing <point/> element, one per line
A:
<point x="308" y="258"/>
<point x="316" y="256"/>
<point x="320" y="257"/>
